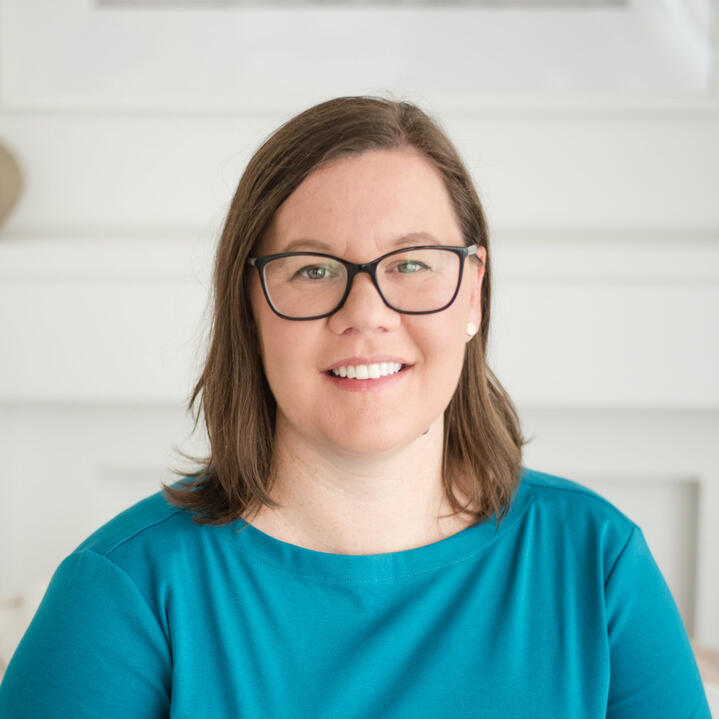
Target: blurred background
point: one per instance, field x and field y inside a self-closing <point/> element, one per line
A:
<point x="591" y="129"/>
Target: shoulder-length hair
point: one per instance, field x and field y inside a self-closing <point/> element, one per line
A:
<point x="482" y="438"/>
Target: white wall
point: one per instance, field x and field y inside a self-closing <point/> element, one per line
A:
<point x="593" y="137"/>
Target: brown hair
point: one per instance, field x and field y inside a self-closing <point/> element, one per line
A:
<point x="482" y="438"/>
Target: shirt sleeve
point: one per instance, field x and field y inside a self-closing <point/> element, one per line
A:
<point x="653" y="670"/>
<point x="93" y="649"/>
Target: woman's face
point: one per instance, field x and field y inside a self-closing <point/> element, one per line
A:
<point x="357" y="208"/>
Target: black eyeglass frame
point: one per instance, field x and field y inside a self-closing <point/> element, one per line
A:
<point x="370" y="268"/>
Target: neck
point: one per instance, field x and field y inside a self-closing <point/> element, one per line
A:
<point x="358" y="505"/>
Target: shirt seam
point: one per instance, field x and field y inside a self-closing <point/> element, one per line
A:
<point x="134" y="585"/>
<point x="619" y="556"/>
<point x="125" y="539"/>
<point x="585" y="492"/>
<point x="390" y="577"/>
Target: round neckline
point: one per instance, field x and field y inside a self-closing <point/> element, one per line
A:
<point x="358" y="568"/>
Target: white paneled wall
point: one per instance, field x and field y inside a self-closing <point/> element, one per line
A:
<point x="89" y="461"/>
<point x="599" y="172"/>
<point x="212" y="55"/>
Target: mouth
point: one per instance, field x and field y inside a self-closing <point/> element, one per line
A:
<point x="361" y="372"/>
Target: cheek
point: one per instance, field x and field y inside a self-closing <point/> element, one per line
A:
<point x="278" y="348"/>
<point x="276" y="336"/>
<point x="288" y="355"/>
<point x="441" y="337"/>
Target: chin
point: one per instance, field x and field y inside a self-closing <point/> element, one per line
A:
<point x="372" y="444"/>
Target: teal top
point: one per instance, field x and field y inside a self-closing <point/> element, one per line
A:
<point x="561" y="612"/>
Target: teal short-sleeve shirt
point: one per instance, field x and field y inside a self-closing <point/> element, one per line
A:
<point x="561" y="612"/>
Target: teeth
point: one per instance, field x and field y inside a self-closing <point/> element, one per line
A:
<point x="368" y="371"/>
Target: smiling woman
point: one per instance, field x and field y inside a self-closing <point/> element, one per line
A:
<point x="330" y="209"/>
<point x="363" y="540"/>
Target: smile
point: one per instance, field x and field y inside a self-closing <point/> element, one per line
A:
<point x="367" y="371"/>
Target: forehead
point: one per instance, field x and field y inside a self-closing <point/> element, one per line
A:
<point x="366" y="201"/>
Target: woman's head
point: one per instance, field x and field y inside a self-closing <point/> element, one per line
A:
<point x="367" y="171"/>
<point x="359" y="208"/>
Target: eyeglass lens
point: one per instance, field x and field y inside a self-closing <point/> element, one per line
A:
<point x="415" y="280"/>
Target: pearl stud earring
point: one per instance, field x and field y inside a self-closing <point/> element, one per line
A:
<point x="471" y="329"/>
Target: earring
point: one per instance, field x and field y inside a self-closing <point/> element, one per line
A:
<point x="471" y="329"/>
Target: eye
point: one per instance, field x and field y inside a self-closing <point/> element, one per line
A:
<point x="315" y="272"/>
<point x="409" y="267"/>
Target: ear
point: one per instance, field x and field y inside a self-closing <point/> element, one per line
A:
<point x="475" y="267"/>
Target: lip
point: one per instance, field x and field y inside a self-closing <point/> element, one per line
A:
<point x="368" y="385"/>
<point x="365" y="360"/>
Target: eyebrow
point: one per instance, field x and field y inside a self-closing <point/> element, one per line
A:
<point x="408" y="239"/>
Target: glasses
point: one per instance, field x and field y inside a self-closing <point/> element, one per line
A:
<point x="413" y="280"/>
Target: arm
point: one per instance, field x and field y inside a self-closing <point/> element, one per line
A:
<point x="93" y="649"/>
<point x="653" y="670"/>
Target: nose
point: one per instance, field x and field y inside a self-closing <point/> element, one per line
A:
<point x="364" y="309"/>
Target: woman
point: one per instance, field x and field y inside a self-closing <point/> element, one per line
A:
<point x="363" y="540"/>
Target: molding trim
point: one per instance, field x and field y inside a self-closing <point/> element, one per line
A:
<point x="464" y="106"/>
<point x="169" y="82"/>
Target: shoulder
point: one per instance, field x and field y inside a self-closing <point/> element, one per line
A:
<point x="152" y="545"/>
<point x="553" y="492"/>
<point x="563" y="511"/>
<point x="152" y="520"/>
<point x="120" y="572"/>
